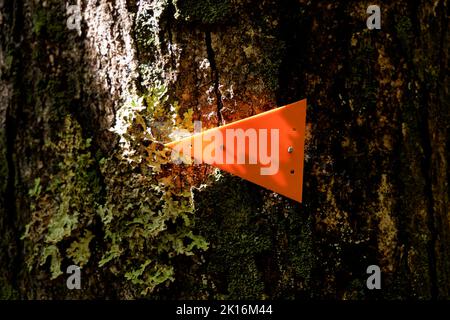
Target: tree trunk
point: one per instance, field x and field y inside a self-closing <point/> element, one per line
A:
<point x="85" y="181"/>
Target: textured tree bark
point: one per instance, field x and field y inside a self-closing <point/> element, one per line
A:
<point x="377" y="151"/>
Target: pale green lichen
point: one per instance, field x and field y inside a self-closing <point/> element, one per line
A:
<point x="148" y="209"/>
<point x="144" y="208"/>
<point x="63" y="207"/>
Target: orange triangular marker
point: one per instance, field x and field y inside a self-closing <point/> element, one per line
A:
<point x="266" y="149"/>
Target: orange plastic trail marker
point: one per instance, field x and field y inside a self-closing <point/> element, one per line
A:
<point x="266" y="149"/>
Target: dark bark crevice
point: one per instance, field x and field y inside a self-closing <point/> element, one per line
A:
<point x="428" y="168"/>
<point x="12" y="116"/>
<point x="432" y="108"/>
<point x="214" y="75"/>
<point x="436" y="220"/>
<point x="170" y="12"/>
